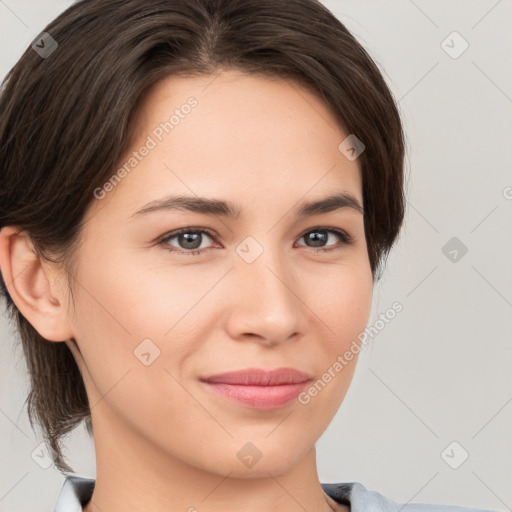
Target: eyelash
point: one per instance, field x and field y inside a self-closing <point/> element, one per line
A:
<point x="346" y="239"/>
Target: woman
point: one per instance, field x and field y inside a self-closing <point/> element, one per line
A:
<point x="190" y="238"/>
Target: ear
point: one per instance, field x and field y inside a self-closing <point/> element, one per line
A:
<point x="33" y="285"/>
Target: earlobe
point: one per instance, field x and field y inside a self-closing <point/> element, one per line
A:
<point x="32" y="285"/>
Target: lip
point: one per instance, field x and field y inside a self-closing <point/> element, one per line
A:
<point x="259" y="388"/>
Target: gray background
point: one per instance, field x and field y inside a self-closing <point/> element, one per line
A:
<point x="441" y="370"/>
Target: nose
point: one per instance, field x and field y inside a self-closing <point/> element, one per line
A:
<point x="266" y="305"/>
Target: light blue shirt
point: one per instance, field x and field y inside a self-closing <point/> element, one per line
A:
<point x="77" y="491"/>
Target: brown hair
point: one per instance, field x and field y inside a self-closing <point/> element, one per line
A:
<point x="65" y="121"/>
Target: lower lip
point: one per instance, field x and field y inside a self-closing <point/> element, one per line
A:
<point x="259" y="397"/>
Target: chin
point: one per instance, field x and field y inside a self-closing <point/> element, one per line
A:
<point x="260" y="470"/>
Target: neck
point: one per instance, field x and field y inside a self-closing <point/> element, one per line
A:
<point x="146" y="477"/>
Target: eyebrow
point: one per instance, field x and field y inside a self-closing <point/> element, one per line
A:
<point x="228" y="209"/>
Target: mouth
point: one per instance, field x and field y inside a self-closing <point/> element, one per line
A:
<point x="259" y="388"/>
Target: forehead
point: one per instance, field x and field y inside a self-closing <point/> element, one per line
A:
<point x="238" y="137"/>
<point x="251" y="96"/>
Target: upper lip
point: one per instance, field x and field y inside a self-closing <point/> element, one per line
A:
<point x="260" y="377"/>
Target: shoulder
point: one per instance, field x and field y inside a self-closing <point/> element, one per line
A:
<point x="361" y="499"/>
<point x="76" y="492"/>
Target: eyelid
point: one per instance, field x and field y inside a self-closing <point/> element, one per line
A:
<point x="188" y="229"/>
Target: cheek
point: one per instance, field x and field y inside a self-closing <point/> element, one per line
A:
<point x="132" y="314"/>
<point x="341" y="296"/>
<point x="174" y="307"/>
<point x="343" y="309"/>
<point x="356" y="301"/>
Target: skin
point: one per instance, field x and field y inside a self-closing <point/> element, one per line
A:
<point x="163" y="441"/>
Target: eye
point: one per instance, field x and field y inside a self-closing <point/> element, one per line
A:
<point x="320" y="235"/>
<point x="190" y="240"/>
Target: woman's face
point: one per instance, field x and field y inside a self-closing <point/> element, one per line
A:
<point x="152" y="319"/>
